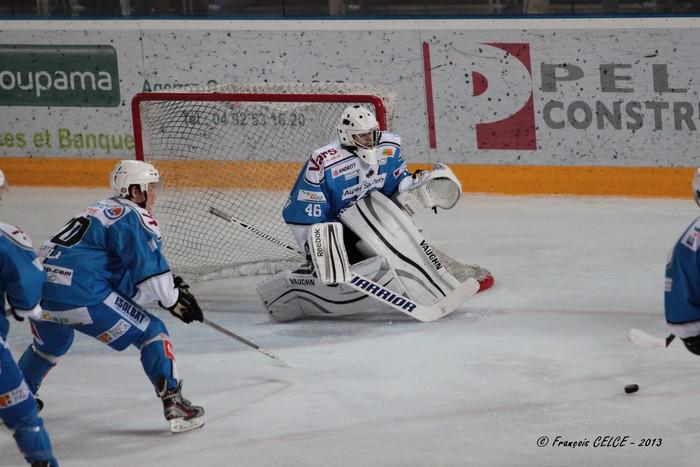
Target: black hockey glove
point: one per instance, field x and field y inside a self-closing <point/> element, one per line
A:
<point x="186" y="307"/>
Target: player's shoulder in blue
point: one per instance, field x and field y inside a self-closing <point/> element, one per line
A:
<point x="13" y="235"/>
<point x="116" y="211"/>
<point x="16" y="246"/>
<point x="322" y="159"/>
<point x="691" y="236"/>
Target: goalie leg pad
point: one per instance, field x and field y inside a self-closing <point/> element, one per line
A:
<point x="328" y="252"/>
<point x="462" y="272"/>
<point x="296" y="294"/>
<point x="387" y="231"/>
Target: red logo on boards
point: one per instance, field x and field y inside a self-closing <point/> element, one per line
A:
<point x="517" y="130"/>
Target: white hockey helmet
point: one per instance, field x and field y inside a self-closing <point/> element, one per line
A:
<point x="130" y="172"/>
<point x="358" y="129"/>
<point x="696" y="187"/>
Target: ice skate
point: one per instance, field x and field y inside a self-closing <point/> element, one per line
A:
<point x="182" y="415"/>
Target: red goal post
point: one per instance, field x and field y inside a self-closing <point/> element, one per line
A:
<point x="238" y="149"/>
<point x="376" y="101"/>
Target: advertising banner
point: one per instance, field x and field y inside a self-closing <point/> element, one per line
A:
<point x="514" y="92"/>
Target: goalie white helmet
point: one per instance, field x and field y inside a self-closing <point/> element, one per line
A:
<point x="696" y="187"/>
<point x="130" y="172"/>
<point x="358" y="129"/>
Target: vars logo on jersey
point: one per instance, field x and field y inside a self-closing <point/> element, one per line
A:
<point x="317" y="160"/>
<point x="114" y="213"/>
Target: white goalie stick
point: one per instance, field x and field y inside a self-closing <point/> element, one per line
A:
<point x="250" y="344"/>
<point x="425" y="313"/>
<point x="642" y="339"/>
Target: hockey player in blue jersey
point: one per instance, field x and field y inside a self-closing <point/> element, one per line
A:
<point x="682" y="291"/>
<point x="21" y="282"/>
<point x="103" y="266"/>
<point x="362" y="163"/>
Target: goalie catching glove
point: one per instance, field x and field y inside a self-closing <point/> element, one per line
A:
<point x="186" y="307"/>
<point x="429" y="189"/>
<point x="328" y="253"/>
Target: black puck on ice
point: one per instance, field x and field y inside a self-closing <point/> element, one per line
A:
<point x="630" y="388"/>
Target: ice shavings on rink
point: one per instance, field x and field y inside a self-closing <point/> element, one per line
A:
<point x="542" y="354"/>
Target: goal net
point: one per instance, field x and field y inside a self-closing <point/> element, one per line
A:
<point x="237" y="149"/>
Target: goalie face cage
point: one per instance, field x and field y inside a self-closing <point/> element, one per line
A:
<point x="239" y="153"/>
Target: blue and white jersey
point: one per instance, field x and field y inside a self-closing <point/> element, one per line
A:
<point x="334" y="178"/>
<point x="682" y="296"/>
<point x="21" y="275"/>
<point x="112" y="245"/>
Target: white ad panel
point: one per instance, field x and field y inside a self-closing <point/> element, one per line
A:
<point x="571" y="97"/>
<point x="586" y="92"/>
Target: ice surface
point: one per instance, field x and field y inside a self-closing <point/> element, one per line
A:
<point x="541" y="354"/>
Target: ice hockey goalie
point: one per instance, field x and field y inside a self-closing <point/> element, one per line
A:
<point x="350" y="211"/>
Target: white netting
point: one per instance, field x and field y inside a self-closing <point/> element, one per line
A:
<point x="241" y="157"/>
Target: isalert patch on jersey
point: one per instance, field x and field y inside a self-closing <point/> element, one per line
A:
<point x="388" y="152"/>
<point x="114" y="213"/>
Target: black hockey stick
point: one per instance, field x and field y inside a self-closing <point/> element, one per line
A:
<point x="255" y="230"/>
<point x="425" y="313"/>
<point x="643" y="339"/>
<point x="250" y="344"/>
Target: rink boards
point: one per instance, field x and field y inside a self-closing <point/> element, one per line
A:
<point x="668" y="182"/>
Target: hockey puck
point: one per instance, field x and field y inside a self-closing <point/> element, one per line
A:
<point x="630" y="388"/>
